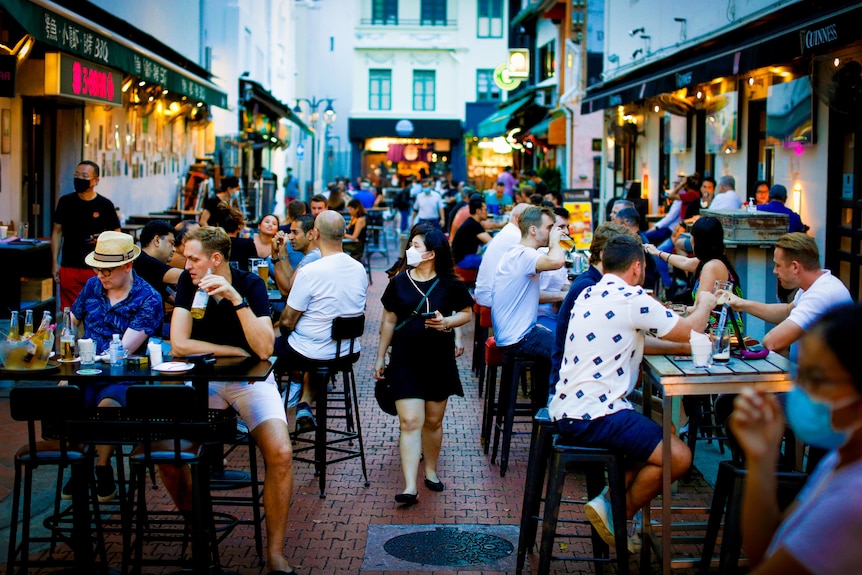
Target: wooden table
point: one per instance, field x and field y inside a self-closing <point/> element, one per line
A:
<point x="225" y="369"/>
<point x="676" y="376"/>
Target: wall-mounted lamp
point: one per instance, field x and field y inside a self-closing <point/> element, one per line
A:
<point x="796" y="198"/>
<point x="637" y="53"/>
<point x="656" y="109"/>
<point x="637" y="31"/>
<point x="683" y="32"/>
<point x="613" y="58"/>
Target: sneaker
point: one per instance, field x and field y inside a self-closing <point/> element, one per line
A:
<point x="294" y="394"/>
<point x="106" y="489"/>
<point x="304" y="418"/>
<point x="634" y="532"/>
<point x="598" y="511"/>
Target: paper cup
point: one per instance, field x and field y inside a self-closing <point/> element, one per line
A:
<point x="701" y="353"/>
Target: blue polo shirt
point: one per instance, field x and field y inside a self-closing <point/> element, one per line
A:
<point x="775" y="207"/>
<point x="140" y="311"/>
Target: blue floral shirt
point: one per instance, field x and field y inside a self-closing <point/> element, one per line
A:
<point x="140" y="311"/>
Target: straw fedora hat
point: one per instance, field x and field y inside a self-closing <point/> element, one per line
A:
<point x="113" y="249"/>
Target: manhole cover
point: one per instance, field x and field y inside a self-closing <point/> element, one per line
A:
<point x="449" y="547"/>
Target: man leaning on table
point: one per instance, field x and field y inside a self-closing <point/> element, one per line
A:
<point x="236" y="323"/>
<point x="797" y="265"/>
<point x="601" y="363"/>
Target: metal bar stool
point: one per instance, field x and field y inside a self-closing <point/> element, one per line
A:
<point x="322" y="372"/>
<point x="52" y="406"/>
<point x="537" y="466"/>
<point x="513" y="371"/>
<point x="481" y="325"/>
<point x="594" y="461"/>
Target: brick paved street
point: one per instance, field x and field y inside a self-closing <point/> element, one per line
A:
<point x="329" y="535"/>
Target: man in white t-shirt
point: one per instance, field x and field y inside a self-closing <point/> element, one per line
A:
<point x="515" y="299"/>
<point x="554" y="284"/>
<point x="331" y="287"/>
<point x="601" y="363"/>
<point x="499" y="245"/>
<point x="428" y="208"/>
<point x="726" y="197"/>
<point x="797" y="265"/>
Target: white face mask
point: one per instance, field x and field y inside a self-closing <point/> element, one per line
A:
<point x="414" y="257"/>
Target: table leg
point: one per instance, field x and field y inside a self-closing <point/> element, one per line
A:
<point x="81" y="532"/>
<point x="666" y="521"/>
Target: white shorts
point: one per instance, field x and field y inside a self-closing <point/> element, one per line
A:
<point x="255" y="402"/>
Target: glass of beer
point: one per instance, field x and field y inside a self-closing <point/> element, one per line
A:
<point x="566" y="242"/>
<point x="263" y="270"/>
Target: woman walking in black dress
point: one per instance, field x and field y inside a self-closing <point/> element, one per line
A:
<point x="421" y="307"/>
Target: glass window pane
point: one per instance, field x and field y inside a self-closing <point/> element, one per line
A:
<point x="847" y="217"/>
<point x="844" y="272"/>
<point x="846" y="243"/>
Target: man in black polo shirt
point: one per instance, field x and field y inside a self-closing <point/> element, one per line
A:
<point x="236" y="323"/>
<point x="471" y="235"/>
<point x="157" y="242"/>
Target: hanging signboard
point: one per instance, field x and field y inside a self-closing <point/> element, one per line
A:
<point x="82" y="80"/>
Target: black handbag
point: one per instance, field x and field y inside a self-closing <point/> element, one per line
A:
<point x="385" y="396"/>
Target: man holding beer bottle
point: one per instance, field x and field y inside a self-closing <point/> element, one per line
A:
<point x="225" y="312"/>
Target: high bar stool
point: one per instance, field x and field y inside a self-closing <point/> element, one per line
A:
<point x="50" y="404"/>
<point x="513" y="371"/>
<point x="594" y="461"/>
<point x="537" y="465"/>
<point x="493" y="361"/>
<point x="481" y="325"/>
<point x="321" y="372"/>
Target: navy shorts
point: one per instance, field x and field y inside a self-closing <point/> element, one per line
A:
<point x="95" y="393"/>
<point x="626" y="431"/>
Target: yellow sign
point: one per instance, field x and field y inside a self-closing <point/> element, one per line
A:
<point x="519" y="63"/>
<point x="580" y="223"/>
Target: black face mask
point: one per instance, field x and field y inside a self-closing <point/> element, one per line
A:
<point x="81" y="185"/>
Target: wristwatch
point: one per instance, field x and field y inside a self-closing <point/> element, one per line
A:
<point x="240" y="305"/>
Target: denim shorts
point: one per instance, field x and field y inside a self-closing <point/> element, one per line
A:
<point x="626" y="431"/>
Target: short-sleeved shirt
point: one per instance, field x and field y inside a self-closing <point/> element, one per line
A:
<point x="83" y="221"/>
<point x="499" y="245"/>
<point x="604" y="348"/>
<point x="211" y="204"/>
<point x="776" y="207"/>
<point x="466" y="240"/>
<point x="589" y="278"/>
<point x="825" y="293"/>
<point x="140" y="311"/>
<point x="728" y="200"/>
<point x="323" y="290"/>
<point x="822" y="532"/>
<point x="153" y="272"/>
<point x="311" y="256"/>
<point x="515" y="300"/>
<point x="220" y="324"/>
<point x="428" y="206"/>
<point x="494" y="204"/>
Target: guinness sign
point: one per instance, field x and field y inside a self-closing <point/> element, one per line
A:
<point x="811" y="39"/>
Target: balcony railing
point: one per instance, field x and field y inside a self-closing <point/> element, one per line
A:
<point x="406" y="22"/>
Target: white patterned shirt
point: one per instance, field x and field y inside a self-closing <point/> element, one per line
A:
<point x="604" y="348"/>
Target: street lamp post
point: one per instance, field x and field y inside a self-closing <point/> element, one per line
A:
<point x="319" y="123"/>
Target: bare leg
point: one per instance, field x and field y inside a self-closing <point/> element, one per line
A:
<point x="432" y="437"/>
<point x="273" y="440"/>
<point x="411" y="415"/>
<point x="647" y="481"/>
<point x="177" y="480"/>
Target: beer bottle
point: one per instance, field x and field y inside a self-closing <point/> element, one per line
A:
<point x="13" y="328"/>
<point x="28" y="324"/>
<point x="199" y="304"/>
<point x="67" y="337"/>
<point x="36" y="341"/>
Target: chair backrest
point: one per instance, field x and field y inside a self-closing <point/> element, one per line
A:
<point x="164" y="402"/>
<point x="347" y="328"/>
<point x="48" y="403"/>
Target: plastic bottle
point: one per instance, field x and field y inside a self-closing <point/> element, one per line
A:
<point x="199" y="304"/>
<point x="115" y="351"/>
<point x="752" y="207"/>
<point x="67" y="337"/>
<point x="13" y="328"/>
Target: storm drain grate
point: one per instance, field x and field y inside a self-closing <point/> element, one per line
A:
<point x="432" y="547"/>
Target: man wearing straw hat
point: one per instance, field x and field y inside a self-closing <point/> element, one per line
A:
<point x="116" y="300"/>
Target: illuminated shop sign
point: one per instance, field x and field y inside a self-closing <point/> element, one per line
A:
<point x="82" y="80"/>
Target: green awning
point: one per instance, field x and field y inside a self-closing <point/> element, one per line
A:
<point x="540" y="130"/>
<point x="86" y="39"/>
<point x="495" y="124"/>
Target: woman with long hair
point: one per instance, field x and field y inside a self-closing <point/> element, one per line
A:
<point x="819" y="532"/>
<point x="422" y="305"/>
<point x="265" y="236"/>
<point x="355" y="231"/>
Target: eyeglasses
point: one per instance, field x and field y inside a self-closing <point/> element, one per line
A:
<point x="103" y="271"/>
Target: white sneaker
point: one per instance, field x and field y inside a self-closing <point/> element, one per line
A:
<point x="294" y="394"/>
<point x="598" y="511"/>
